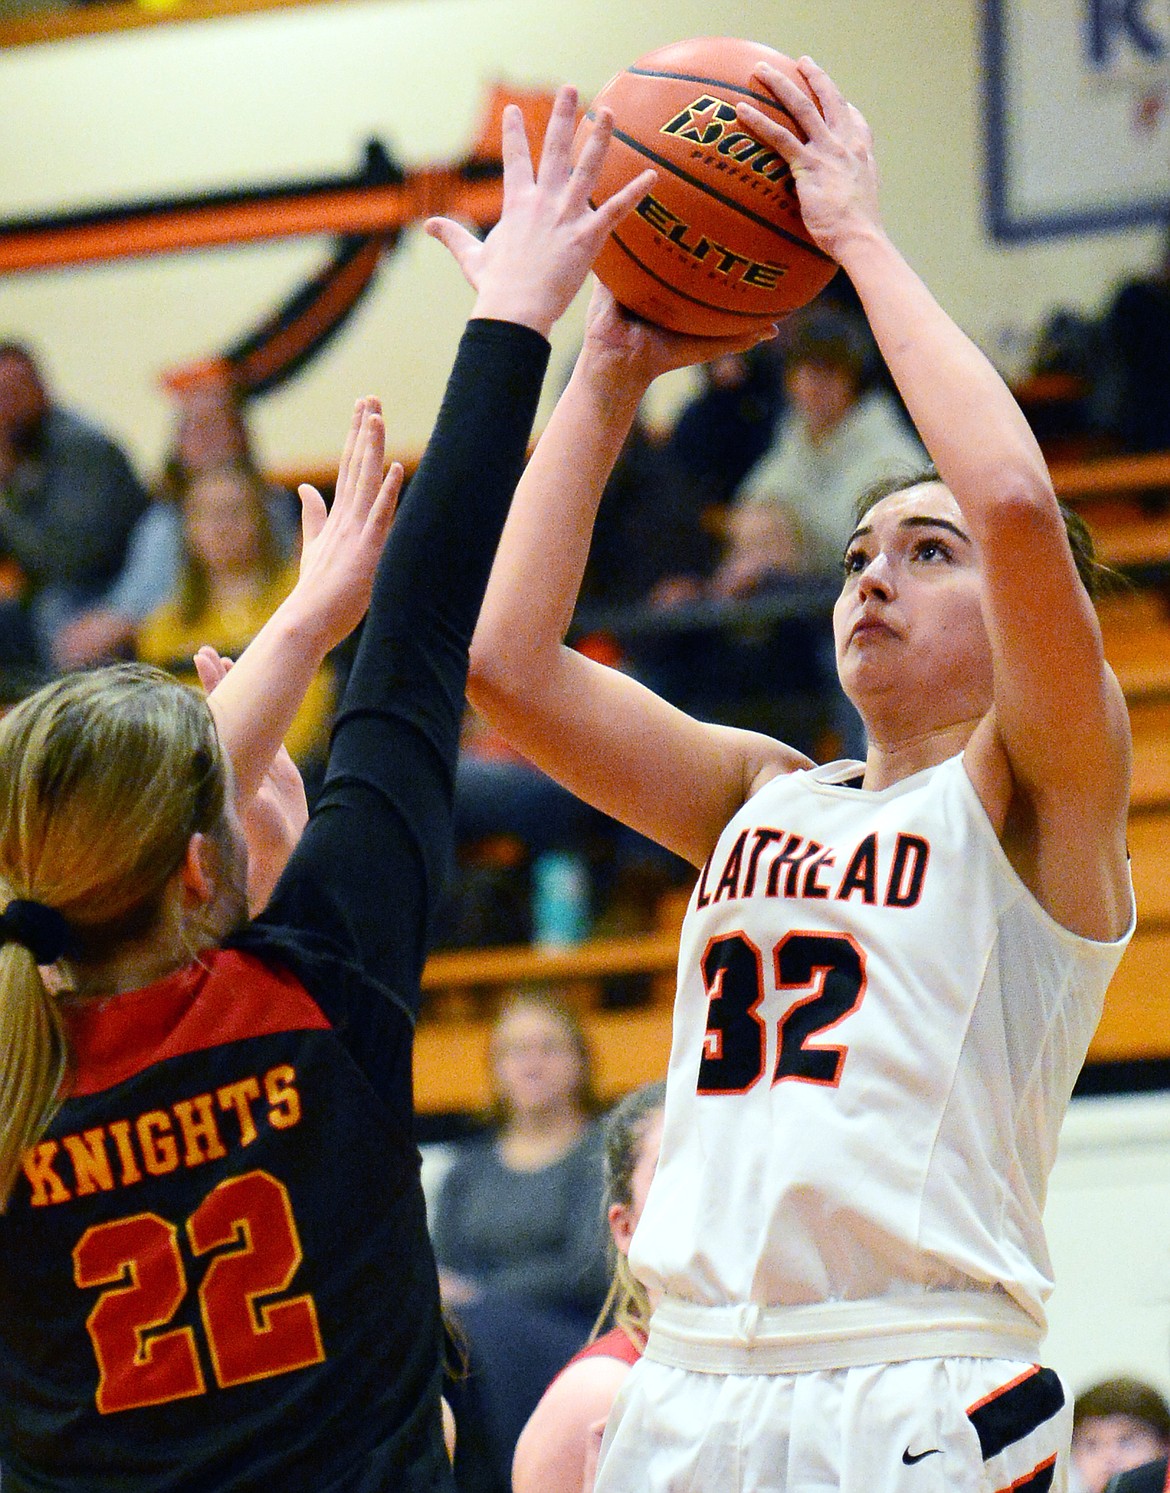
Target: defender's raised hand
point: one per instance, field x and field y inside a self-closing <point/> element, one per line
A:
<point x="254" y="704"/>
<point x="341" y="547"/>
<point x="275" y="816"/>
<point x="535" y="259"/>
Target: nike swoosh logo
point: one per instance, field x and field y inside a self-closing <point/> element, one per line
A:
<point x="910" y="1457"/>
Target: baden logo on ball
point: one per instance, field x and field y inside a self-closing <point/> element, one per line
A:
<point x="719" y="243"/>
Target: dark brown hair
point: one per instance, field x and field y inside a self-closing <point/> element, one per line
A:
<point x="1095" y="577"/>
<point x="1124" y="1396"/>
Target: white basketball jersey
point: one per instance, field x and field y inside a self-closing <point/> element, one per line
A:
<point x="876" y="1034"/>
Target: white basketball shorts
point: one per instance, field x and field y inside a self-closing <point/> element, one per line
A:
<point x="949" y="1425"/>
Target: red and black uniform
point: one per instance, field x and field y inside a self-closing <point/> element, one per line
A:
<point x="616" y="1343"/>
<point x="215" y="1272"/>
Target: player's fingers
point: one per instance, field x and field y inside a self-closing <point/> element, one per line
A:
<point x="834" y="105"/>
<point x="459" y="242"/>
<point x="861" y="125"/>
<point x="385" y="505"/>
<point x="351" y="436"/>
<point x="372" y="453"/>
<point x="794" y="99"/>
<point x="516" y="155"/>
<point x="778" y="136"/>
<point x="589" y="163"/>
<point x="556" y="151"/>
<point x="313" y="512"/>
<point x="615" y="208"/>
<point x="740" y="342"/>
<point x="210" y="667"/>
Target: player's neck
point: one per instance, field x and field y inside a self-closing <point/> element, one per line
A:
<point x="891" y="758"/>
<point x="164" y="947"/>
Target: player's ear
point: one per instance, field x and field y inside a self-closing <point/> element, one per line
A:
<point x="196" y="872"/>
<point x="621" y="1225"/>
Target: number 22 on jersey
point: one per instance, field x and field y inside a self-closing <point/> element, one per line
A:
<point x="829" y="971"/>
<point x="249" y="1220"/>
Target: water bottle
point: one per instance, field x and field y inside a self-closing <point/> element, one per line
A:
<point x="560" y="898"/>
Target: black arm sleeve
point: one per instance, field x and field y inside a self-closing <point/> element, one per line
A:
<point x="365" y="877"/>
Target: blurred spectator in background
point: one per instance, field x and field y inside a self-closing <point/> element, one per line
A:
<point x="211" y="433"/>
<point x="1151" y="1477"/>
<point x="233" y="573"/>
<point x="794" y="511"/>
<point x="1117" y="1425"/>
<point x="839" y="431"/>
<point x="654" y="519"/>
<point x="518" y="1229"/>
<point x="508" y="814"/>
<point x="69" y="499"/>
<point x="1137" y="354"/>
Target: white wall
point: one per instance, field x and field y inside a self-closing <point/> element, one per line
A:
<point x="288" y="94"/>
<point x="1108" y="1221"/>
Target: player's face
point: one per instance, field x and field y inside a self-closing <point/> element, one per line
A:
<point x="908" y="623"/>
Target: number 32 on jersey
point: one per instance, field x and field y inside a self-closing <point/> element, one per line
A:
<point x="825" y="972"/>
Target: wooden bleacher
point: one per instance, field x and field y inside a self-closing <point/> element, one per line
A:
<point x="1126" y="501"/>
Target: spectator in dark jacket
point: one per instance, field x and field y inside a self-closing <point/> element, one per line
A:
<point x="68" y="501"/>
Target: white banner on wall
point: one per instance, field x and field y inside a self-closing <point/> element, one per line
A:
<point x="1077" y="97"/>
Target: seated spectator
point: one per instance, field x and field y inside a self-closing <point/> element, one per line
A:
<point x="794" y="511"/>
<point x="232" y="576"/>
<point x="69" y="499"/>
<point x="1137" y="357"/>
<point x="517" y="1228"/>
<point x="557" y="1449"/>
<point x="1117" y="1425"/>
<point x="722" y="432"/>
<point x="653" y="519"/>
<point x="508" y="814"/>
<point x="211" y="433"/>
<point x="791" y="517"/>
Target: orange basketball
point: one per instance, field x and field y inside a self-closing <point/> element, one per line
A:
<point x="718" y="244"/>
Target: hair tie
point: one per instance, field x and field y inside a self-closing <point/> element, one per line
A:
<point x="42" y="930"/>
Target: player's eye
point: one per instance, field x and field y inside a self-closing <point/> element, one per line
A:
<point x="931" y="549"/>
<point x="855" y="560"/>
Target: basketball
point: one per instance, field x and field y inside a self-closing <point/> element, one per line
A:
<point x="718" y="245"/>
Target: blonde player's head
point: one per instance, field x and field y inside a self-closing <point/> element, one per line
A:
<point x="633" y="1133"/>
<point x="104" y="778"/>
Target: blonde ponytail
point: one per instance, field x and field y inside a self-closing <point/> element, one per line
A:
<point x="104" y="778"/>
<point x="34" y="1059"/>
<point x="626" y="1304"/>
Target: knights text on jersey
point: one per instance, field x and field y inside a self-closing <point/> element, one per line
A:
<point x="876" y="1034"/>
<point x="222" y="1213"/>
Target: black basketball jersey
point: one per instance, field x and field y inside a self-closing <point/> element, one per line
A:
<point x="215" y="1274"/>
<point x="220" y="1248"/>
